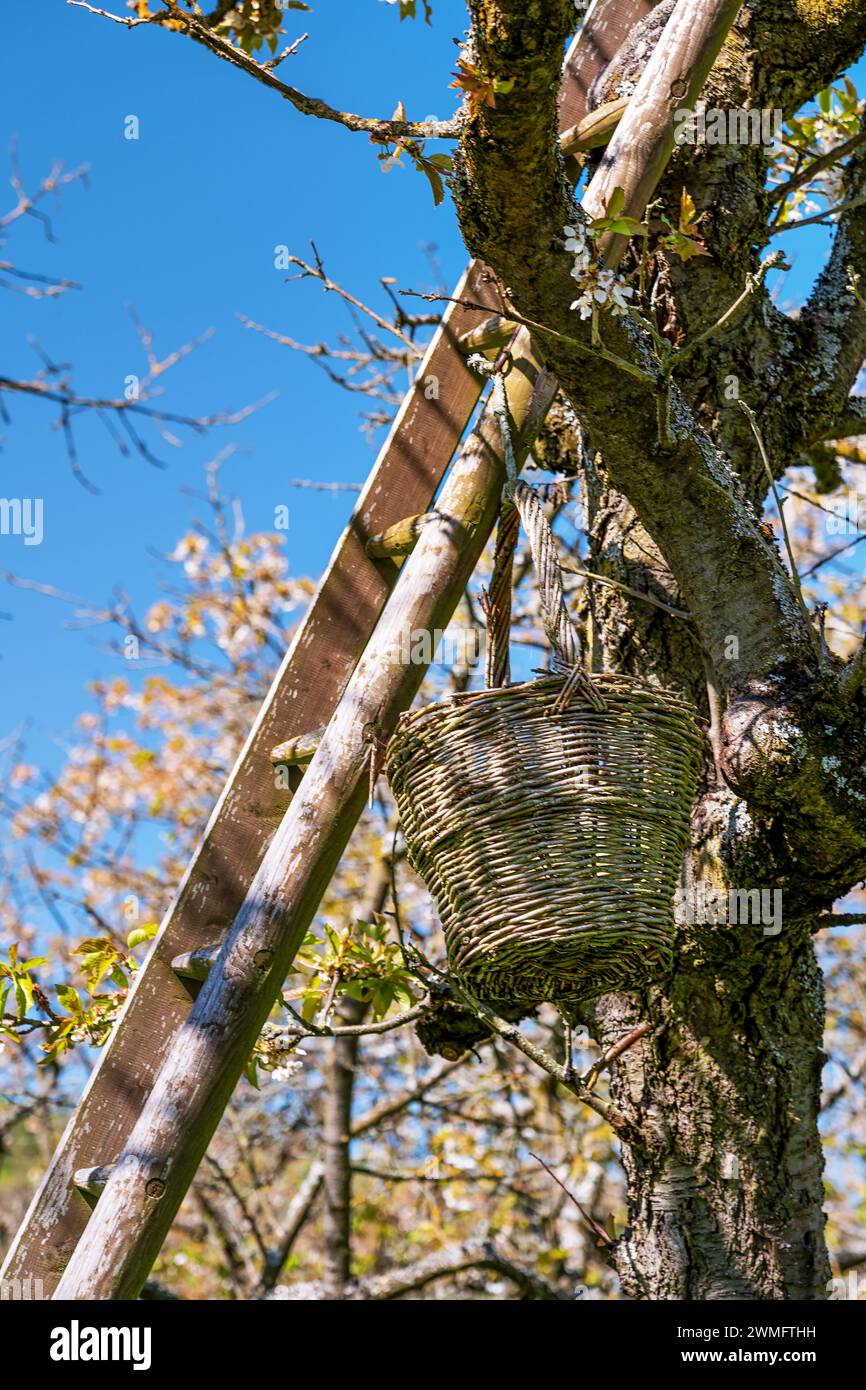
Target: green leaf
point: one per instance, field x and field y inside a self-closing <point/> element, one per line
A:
<point x="383" y="998"/>
<point x="436" y="184"/>
<point x="403" y="996"/>
<point x="616" y="203"/>
<point x="70" y="1000"/>
<point x="144" y="933"/>
<point x="848" y="98"/>
<point x="359" y="989"/>
<point x="626" y="226"/>
<point x="613" y="219"/>
<point x="684" y="246"/>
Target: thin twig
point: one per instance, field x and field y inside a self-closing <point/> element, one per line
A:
<point x="510" y="1033"/>
<point x="753" y="283"/>
<point x="616" y="1050"/>
<point x="824" y="161"/>
<point x="795" y="575"/>
<point x="593" y="1225"/>
<point x="129" y="22"/>
<point x="574" y="568"/>
<point x="69" y="398"/>
<point x="326" y="487"/>
<point x="172" y="16"/>
<point x="840" y="919"/>
<point x="317" y="272"/>
<point x="819" y="216"/>
<point x="834" y="554"/>
<point x="507" y="312"/>
<point x="316" y="1030"/>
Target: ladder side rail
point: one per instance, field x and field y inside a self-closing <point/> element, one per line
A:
<point x="329" y="641"/>
<point x="207" y="1056"/>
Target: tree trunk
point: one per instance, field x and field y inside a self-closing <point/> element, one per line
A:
<point x="725" y="1202"/>
<point x="724" y="1188"/>
<point x="725" y="1198"/>
<point x="339" y="1090"/>
<point x="339" y="1086"/>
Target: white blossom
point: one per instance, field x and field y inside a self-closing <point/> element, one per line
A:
<point x="601" y="288"/>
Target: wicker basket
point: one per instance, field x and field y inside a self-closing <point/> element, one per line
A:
<point x="549" y="819"/>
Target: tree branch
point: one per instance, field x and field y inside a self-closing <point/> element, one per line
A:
<point x="455" y="1260"/>
<point x="850" y="422"/>
<point x="831" y="331"/>
<point x="509" y="1032"/>
<point x="683" y="489"/>
<point x="198" y="29"/>
<point x="824" y="161"/>
<point x="477" y="1254"/>
<point x="359" y="1030"/>
<point x="760" y="643"/>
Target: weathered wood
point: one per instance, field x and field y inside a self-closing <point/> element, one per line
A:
<point x="91" y="1181"/>
<point x="306" y="688"/>
<point x="642" y="143"/>
<point x="595" y="129"/>
<point x="401" y="538"/>
<point x="207" y="1055"/>
<point x="605" y="27"/>
<point x="495" y="332"/>
<point x="303" y="696"/>
<point x="197" y="964"/>
<point x="296" y="750"/>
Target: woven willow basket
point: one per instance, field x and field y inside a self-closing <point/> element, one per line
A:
<point x="549" y="819"/>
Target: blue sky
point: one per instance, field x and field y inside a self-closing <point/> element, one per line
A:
<point x="182" y="224"/>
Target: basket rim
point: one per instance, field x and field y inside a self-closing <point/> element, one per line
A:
<point x="612" y="684"/>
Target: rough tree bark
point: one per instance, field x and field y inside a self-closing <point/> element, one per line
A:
<point x="724" y="1193"/>
<point x="339" y="1086"/>
<point x="339" y="1090"/>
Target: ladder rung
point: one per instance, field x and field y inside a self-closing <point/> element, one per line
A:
<point x="595" y="129"/>
<point x="495" y="332"/>
<point x="401" y="538"/>
<point x="91" y="1181"/>
<point x="197" y="964"/>
<point x="299" y="749"/>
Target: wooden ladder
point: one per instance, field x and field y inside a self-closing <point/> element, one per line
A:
<point x="257" y="876"/>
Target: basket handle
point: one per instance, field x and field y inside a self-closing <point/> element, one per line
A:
<point x="555" y="617"/>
